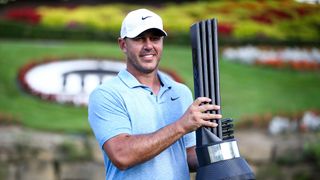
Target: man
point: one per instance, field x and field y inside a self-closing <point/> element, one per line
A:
<point x="142" y="119"/>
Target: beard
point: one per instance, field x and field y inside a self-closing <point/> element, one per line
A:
<point x="143" y="68"/>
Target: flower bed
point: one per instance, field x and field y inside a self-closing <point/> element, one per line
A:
<point x="293" y="58"/>
<point x="302" y="121"/>
<point x="243" y="21"/>
<point x="71" y="80"/>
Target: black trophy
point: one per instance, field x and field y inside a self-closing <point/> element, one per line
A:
<point x="217" y="150"/>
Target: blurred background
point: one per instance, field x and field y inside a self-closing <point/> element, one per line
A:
<point x="54" y="53"/>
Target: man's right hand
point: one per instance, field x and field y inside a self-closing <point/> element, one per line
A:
<point x="197" y="115"/>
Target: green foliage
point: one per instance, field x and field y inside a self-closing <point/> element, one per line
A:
<point x="304" y="28"/>
<point x="303" y="175"/>
<point x="271" y="171"/>
<point x="21" y="30"/>
<point x="174" y="21"/>
<point x="99" y="18"/>
<point x="249" y="21"/>
<point x="312" y="152"/>
<point x="3" y="170"/>
<point x="249" y="29"/>
<point x="69" y="151"/>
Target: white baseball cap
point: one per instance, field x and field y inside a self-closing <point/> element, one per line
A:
<point x="138" y="21"/>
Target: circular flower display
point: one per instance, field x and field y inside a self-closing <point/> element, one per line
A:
<point x="69" y="81"/>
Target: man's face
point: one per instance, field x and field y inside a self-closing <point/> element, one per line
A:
<point x="143" y="52"/>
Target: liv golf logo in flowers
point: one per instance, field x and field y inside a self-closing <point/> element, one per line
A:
<point x="68" y="81"/>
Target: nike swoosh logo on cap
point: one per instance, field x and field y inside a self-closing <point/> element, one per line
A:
<point x="143" y="18"/>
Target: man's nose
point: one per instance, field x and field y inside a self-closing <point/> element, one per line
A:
<point x="148" y="44"/>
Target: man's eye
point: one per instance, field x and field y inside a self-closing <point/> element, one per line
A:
<point x="155" y="38"/>
<point x="137" y="38"/>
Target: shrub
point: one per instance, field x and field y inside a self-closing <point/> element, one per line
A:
<point x="312" y="153"/>
<point x="248" y="29"/>
<point x="239" y="21"/>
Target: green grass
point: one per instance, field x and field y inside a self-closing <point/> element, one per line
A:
<point x="245" y="90"/>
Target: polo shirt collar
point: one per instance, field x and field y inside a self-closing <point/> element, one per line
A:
<point x="128" y="79"/>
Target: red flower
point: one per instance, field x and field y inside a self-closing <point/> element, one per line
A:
<point x="277" y="14"/>
<point x="304" y="65"/>
<point x="302" y="11"/>
<point x="269" y="15"/>
<point x="24" y="14"/>
<point x="225" y="29"/>
<point x="262" y="18"/>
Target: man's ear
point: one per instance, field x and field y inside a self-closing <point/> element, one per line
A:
<point x="122" y="44"/>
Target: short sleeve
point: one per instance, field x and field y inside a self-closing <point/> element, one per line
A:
<point x="107" y="115"/>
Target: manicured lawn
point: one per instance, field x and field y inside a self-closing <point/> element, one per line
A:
<point x="245" y="90"/>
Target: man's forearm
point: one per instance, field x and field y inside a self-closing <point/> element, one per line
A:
<point x="127" y="150"/>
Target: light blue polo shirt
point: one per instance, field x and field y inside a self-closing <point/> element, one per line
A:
<point x="123" y="105"/>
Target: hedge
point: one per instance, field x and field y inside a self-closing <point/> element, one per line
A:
<point x="241" y="22"/>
